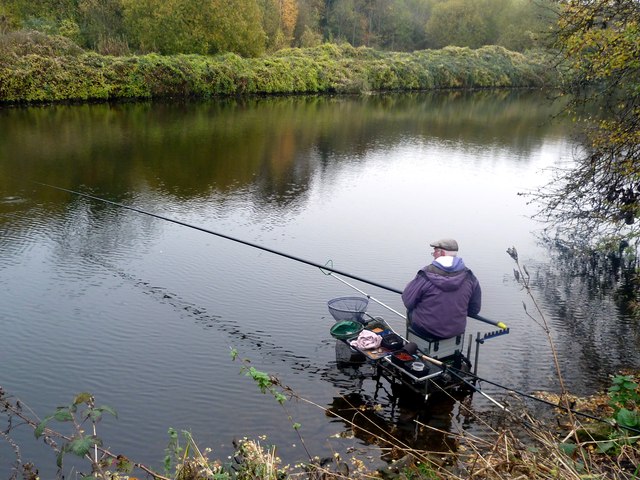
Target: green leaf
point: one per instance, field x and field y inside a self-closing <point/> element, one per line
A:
<point x="41" y="426"/>
<point x="604" y="447"/>
<point x="568" y="448"/>
<point x="627" y="418"/>
<point x="106" y="408"/>
<point x="83" y="397"/>
<point x="95" y="415"/>
<point x="123" y="464"/>
<point x="63" y="415"/>
<point x="82" y="446"/>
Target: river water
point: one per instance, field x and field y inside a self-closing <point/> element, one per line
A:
<point x="142" y="312"/>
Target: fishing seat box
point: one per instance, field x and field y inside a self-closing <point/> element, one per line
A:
<point x="437" y="348"/>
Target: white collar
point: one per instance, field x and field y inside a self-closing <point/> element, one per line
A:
<point x="445" y="260"/>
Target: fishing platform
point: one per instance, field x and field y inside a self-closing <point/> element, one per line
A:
<point x="417" y="363"/>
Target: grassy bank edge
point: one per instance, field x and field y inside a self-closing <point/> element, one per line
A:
<point x="35" y="68"/>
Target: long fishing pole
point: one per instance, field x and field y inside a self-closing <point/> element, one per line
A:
<point x="222" y="235"/>
<point x="542" y="400"/>
<point x="332" y="270"/>
<point x="250" y="244"/>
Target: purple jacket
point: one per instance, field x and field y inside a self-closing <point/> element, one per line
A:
<point x="440" y="298"/>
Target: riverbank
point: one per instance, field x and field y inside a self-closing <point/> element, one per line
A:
<point x="36" y="68"/>
<point x="518" y="445"/>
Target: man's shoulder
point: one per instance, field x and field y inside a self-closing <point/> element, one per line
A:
<point x="437" y="270"/>
<point x="472" y="276"/>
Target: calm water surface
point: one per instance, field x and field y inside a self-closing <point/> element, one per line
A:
<point x="142" y="312"/>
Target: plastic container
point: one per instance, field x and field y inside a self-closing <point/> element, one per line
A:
<point x="392" y="341"/>
<point x="402" y="358"/>
<point x="417" y="367"/>
<point x="346" y="329"/>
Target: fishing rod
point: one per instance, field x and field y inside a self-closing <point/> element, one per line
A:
<point x="412" y="348"/>
<point x="250" y="244"/>
<point x="221" y="235"/>
<point x="552" y="404"/>
<point x="334" y="271"/>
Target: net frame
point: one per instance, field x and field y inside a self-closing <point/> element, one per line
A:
<point x="348" y="308"/>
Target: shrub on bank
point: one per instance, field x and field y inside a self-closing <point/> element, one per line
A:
<point x="39" y="68"/>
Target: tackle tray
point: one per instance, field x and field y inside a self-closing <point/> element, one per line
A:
<point x="405" y="370"/>
<point x="375" y="353"/>
<point x="379" y="326"/>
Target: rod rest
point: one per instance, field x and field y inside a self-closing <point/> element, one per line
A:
<point x="493" y="334"/>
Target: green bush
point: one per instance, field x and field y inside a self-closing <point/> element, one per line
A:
<point x="40" y="68"/>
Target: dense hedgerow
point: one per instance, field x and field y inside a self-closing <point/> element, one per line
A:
<point x="39" y="68"/>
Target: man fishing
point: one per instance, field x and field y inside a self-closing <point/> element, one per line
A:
<point x="442" y="294"/>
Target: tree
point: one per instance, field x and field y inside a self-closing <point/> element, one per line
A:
<point x="524" y="24"/>
<point x="279" y="19"/>
<point x="599" y="195"/>
<point x="514" y="24"/>
<point x="342" y="20"/>
<point x="288" y="16"/>
<point x="166" y="26"/>
<point x="270" y="22"/>
<point x="46" y="16"/>
<point x="194" y="26"/>
<point x="308" y="30"/>
<point x="101" y="23"/>
<point x="49" y="9"/>
<point x="236" y="27"/>
<point x="404" y="29"/>
<point x="459" y="22"/>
